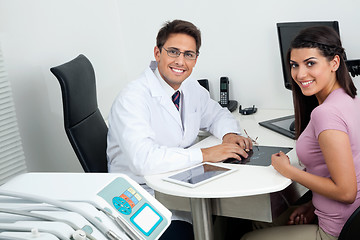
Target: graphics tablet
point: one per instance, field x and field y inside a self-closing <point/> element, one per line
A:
<point x="280" y="125"/>
<point x="199" y="174"/>
<point x="259" y="156"/>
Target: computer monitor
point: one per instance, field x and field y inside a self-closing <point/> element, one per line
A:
<point x="287" y="32"/>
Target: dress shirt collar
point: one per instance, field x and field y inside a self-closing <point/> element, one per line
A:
<point x="169" y="90"/>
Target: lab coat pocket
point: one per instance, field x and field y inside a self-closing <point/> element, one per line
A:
<point x="191" y="127"/>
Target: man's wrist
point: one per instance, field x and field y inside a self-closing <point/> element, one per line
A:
<point x="239" y="134"/>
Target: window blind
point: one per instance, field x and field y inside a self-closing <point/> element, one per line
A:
<point x="12" y="159"/>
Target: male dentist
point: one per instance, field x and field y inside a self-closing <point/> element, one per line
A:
<point x="158" y="116"/>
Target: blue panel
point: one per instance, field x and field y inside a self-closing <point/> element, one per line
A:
<point x="153" y="227"/>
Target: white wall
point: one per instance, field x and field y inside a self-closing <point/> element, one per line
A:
<point x="239" y="41"/>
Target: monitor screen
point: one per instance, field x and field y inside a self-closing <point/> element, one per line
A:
<point x="287" y="32"/>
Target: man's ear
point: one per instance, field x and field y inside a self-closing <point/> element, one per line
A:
<point x="157" y="53"/>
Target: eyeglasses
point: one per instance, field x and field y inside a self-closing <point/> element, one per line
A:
<point x="174" y="53"/>
<point x="254" y="141"/>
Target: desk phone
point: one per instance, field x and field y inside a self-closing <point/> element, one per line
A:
<point x="136" y="211"/>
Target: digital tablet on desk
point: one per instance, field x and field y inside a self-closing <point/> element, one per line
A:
<point x="199" y="174"/>
<point x="281" y="125"/>
<point x="259" y="156"/>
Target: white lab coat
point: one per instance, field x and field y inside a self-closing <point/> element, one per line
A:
<point x="147" y="135"/>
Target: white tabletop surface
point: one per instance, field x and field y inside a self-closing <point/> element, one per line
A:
<point x="247" y="180"/>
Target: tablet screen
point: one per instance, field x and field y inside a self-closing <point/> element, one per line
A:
<point x="280" y="125"/>
<point x="199" y="174"/>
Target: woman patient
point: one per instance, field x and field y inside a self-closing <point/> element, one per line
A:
<point x="327" y="120"/>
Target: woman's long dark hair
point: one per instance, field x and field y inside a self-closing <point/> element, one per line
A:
<point x="328" y="42"/>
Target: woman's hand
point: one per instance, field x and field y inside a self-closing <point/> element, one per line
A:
<point x="281" y="162"/>
<point x="304" y="214"/>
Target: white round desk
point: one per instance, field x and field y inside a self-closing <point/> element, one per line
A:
<point x="251" y="192"/>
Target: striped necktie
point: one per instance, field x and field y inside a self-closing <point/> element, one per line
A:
<point x="176" y="99"/>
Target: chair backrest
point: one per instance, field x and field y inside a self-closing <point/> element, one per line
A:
<point x="351" y="229"/>
<point x="204" y="83"/>
<point x="84" y="124"/>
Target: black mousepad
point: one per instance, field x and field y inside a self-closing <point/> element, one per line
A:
<point x="259" y="156"/>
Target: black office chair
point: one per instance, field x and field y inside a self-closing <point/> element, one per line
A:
<point x="351" y="229"/>
<point x="84" y="124"/>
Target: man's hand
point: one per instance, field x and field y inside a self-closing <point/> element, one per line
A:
<point x="222" y="152"/>
<point x="243" y="142"/>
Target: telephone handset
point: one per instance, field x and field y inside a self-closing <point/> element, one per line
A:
<point x="224" y="91"/>
<point x="224" y="95"/>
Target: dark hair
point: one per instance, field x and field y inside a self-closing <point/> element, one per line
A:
<point x="328" y="42"/>
<point x="178" y="26"/>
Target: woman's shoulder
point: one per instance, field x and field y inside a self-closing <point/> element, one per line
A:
<point x="334" y="103"/>
<point x="338" y="108"/>
<point x="324" y="109"/>
<point x="326" y="112"/>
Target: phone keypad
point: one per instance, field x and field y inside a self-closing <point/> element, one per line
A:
<point x="223" y="97"/>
